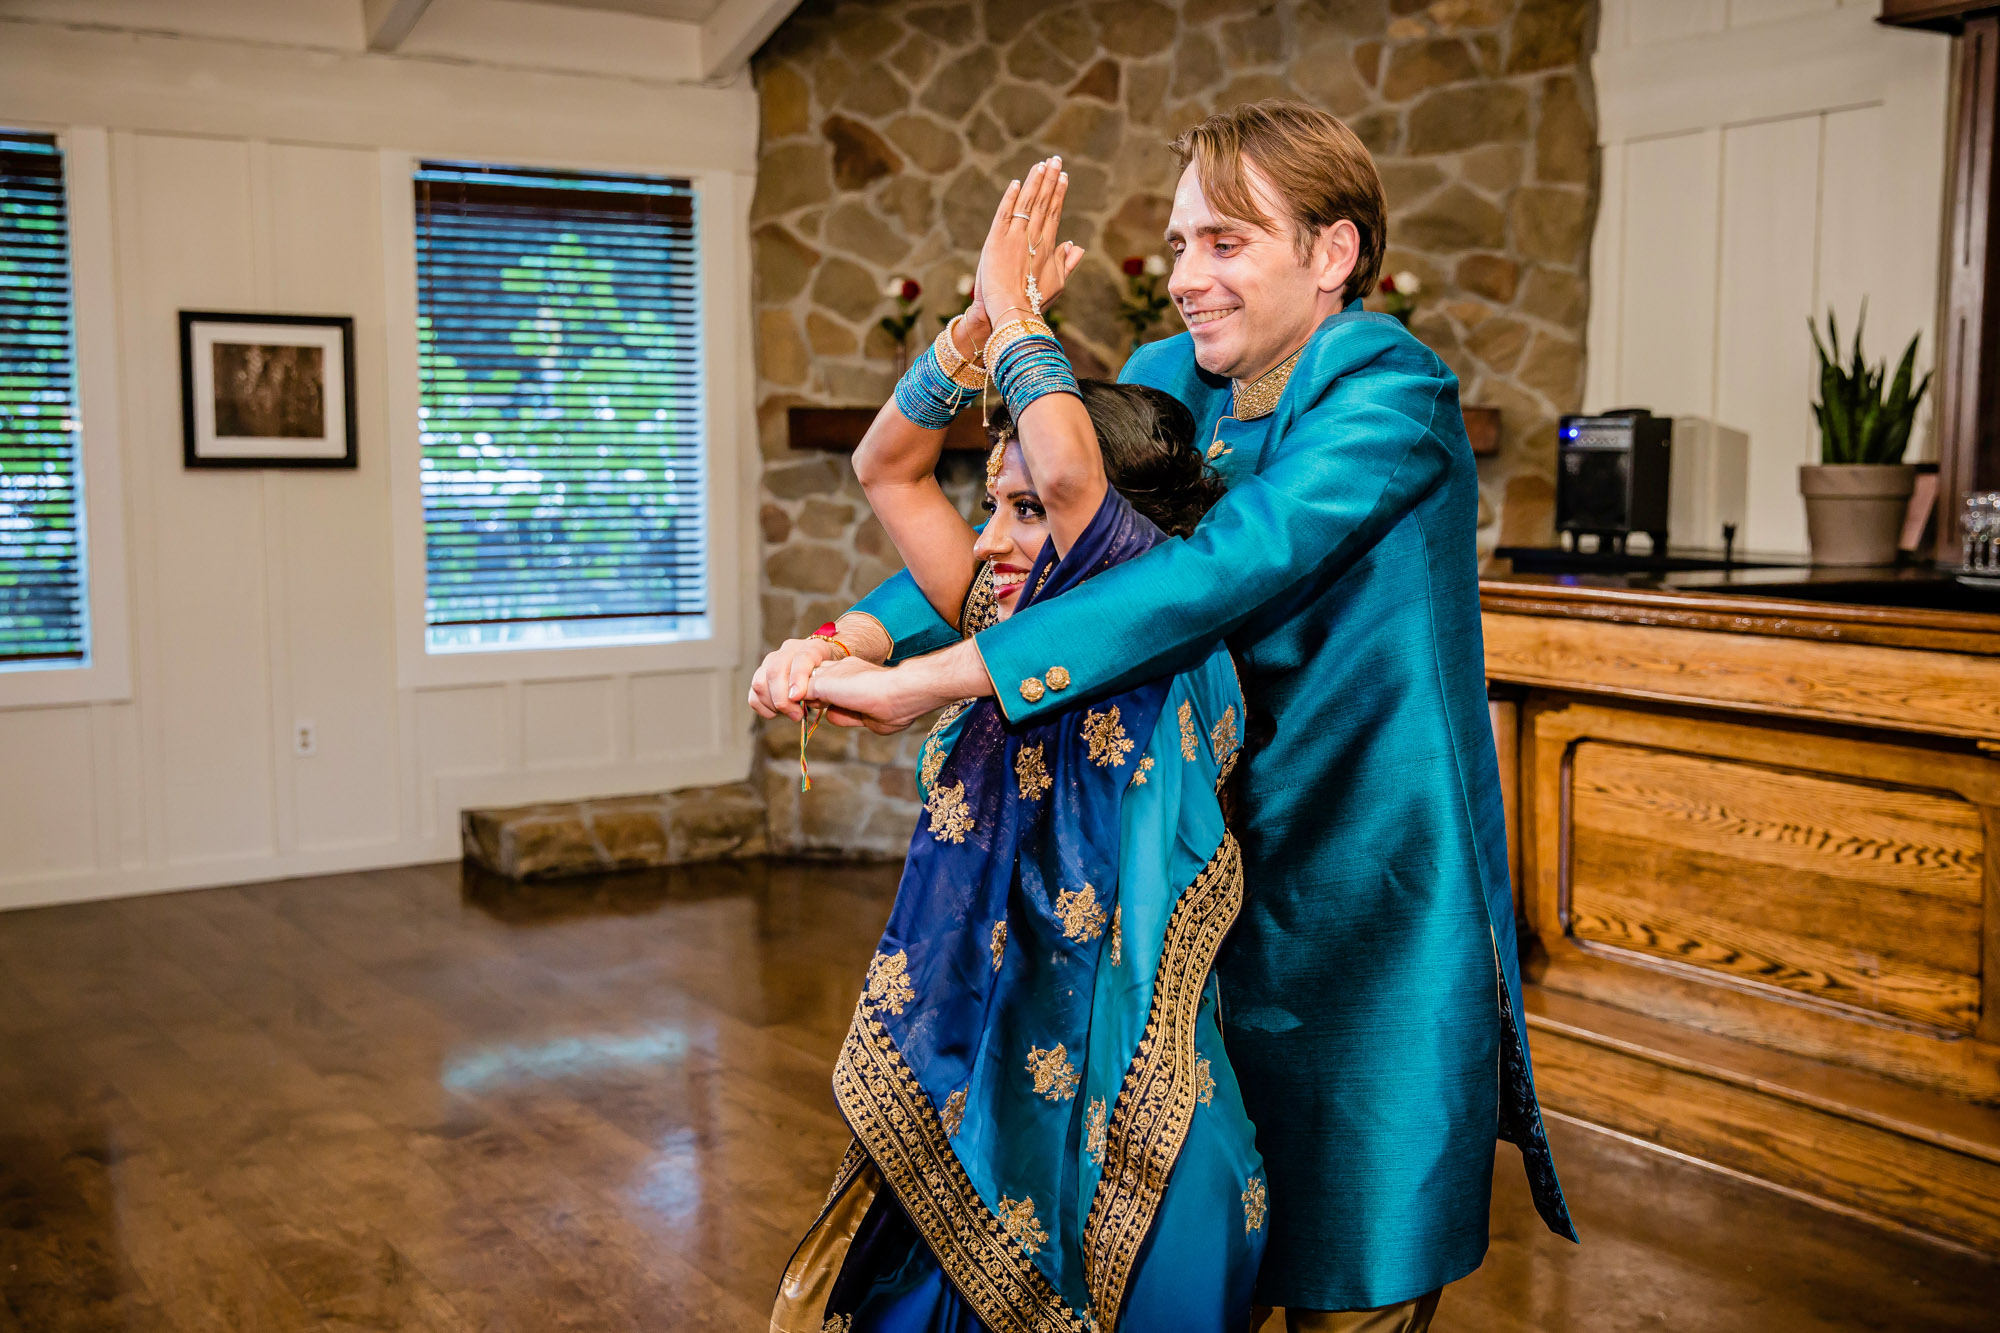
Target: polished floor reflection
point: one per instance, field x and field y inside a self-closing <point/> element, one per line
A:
<point x="407" y="1100"/>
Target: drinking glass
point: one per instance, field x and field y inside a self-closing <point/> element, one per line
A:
<point x="1981" y="527"/>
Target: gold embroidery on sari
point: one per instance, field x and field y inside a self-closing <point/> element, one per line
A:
<point x="981" y="611"/>
<point x="1254" y="1205"/>
<point x="889" y="982"/>
<point x="1117" y="935"/>
<point x="1204" y="1082"/>
<point x="1082" y="918"/>
<point x="850" y="1166"/>
<point x="838" y="1323"/>
<point x="1093" y="1131"/>
<point x="1156" y="1101"/>
<point x="1108" y="742"/>
<point x="953" y="1114"/>
<point x="999" y="942"/>
<point x="1018" y="1217"/>
<point x="950" y="819"/>
<point x="1222" y="740"/>
<point x="1054" y="1075"/>
<point x="1188" y="744"/>
<point x="1031" y="772"/>
<point x="896" y="1125"/>
<point x="1145" y="767"/>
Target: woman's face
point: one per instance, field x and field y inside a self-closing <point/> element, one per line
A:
<point x="1013" y="536"/>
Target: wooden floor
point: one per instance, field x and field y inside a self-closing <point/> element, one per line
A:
<point x="400" y="1100"/>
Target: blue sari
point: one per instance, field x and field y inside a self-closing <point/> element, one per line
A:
<point x="1035" y="1069"/>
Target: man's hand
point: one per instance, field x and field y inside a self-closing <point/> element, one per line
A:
<point x="780" y="683"/>
<point x="889" y="699"/>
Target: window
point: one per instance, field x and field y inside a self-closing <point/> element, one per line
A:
<point x="44" y="619"/>
<point x="559" y="349"/>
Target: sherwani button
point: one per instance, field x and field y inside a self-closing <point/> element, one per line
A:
<point x="1031" y="689"/>
<point x="1058" y="678"/>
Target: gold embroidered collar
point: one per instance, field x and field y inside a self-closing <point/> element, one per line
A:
<point x="1259" y="397"/>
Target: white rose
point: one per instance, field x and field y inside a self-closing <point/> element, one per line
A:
<point x="964" y="284"/>
<point x="1408" y="283"/>
<point x="893" y="288"/>
<point x="1156" y="266"/>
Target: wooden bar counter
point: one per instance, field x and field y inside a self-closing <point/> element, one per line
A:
<point x="1756" y="831"/>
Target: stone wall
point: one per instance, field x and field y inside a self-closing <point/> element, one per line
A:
<point x="890" y="127"/>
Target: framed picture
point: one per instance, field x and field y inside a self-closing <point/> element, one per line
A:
<point x="267" y="390"/>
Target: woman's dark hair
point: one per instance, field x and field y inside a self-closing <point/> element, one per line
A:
<point x="1147" y="439"/>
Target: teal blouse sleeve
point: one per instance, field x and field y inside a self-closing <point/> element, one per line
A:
<point x="914" y="626"/>
<point x="1372" y="434"/>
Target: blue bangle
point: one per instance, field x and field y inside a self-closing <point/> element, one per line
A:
<point x="1031" y="368"/>
<point x="926" y="395"/>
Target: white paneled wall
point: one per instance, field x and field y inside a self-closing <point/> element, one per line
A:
<point x="260" y="599"/>
<point x="1763" y="160"/>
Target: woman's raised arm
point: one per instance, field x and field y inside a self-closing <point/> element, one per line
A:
<point x="1057" y="442"/>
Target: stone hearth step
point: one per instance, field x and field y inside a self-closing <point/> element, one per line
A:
<point x="592" y="836"/>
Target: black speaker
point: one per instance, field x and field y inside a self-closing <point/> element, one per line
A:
<point x="1612" y="476"/>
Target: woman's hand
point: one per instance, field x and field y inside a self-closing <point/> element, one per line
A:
<point x="781" y="683"/>
<point x="1023" y="240"/>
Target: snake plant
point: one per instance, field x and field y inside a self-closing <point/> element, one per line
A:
<point x="1858" y="421"/>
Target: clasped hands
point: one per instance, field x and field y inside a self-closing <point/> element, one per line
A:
<point x="856" y="689"/>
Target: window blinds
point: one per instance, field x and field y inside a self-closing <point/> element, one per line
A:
<point x="42" y="613"/>
<point x="558" y="324"/>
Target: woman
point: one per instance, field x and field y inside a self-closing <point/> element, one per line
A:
<point x="1035" y="1071"/>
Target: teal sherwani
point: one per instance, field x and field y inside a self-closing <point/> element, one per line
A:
<point x="1371" y="997"/>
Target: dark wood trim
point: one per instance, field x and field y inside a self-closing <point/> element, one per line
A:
<point x="838" y="430"/>
<point x="1744" y="613"/>
<point x="1937" y="15"/>
<point x="1968" y="406"/>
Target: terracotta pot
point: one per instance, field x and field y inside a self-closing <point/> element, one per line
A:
<point x="1854" y="511"/>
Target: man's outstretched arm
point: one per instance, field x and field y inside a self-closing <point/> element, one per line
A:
<point x="1359" y="459"/>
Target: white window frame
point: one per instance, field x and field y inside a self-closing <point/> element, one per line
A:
<point x="721" y="236"/>
<point x="106" y="673"/>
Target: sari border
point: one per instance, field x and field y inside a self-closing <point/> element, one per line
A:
<point x="894" y="1121"/>
<point x="1156" y="1101"/>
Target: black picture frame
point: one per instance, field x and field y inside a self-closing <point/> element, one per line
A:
<point x="202" y="447"/>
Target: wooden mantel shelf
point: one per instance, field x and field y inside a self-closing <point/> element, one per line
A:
<point x="839" y="429"/>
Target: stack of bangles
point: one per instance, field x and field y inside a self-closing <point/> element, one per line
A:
<point x="938" y="383"/>
<point x="1023" y="356"/>
<point x="1027" y="363"/>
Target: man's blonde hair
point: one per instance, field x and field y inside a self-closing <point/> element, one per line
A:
<point x="1322" y="173"/>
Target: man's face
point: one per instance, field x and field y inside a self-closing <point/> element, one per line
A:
<point x="1248" y="299"/>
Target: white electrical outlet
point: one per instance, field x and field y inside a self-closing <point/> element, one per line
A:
<point x="305" y="738"/>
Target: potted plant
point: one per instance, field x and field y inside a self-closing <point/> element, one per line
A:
<point x="1856" y="494"/>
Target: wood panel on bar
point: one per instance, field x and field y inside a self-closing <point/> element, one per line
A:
<point x="1760" y="885"/>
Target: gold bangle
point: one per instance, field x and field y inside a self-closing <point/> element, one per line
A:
<point x="960" y="371"/>
<point x="1012" y="332"/>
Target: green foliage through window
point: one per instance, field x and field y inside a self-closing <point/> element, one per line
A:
<point x="558" y="326"/>
<point x="42" y="588"/>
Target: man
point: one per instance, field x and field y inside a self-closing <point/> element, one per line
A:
<point x="1371" y="998"/>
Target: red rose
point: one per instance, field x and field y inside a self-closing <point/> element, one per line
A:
<point x="911" y="289"/>
<point x="1133" y="266"/>
<point x="1389" y="286"/>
